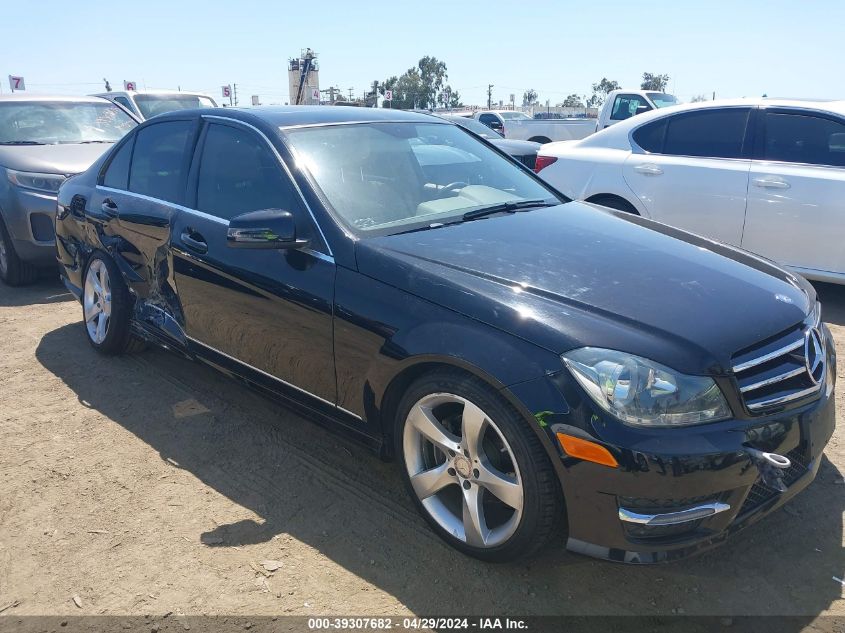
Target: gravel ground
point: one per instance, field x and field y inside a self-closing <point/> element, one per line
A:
<point x="148" y="484"/>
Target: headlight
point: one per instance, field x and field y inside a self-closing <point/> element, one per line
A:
<point x="48" y="183"/>
<point x="641" y="392"/>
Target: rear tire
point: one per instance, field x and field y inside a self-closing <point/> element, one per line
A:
<point x="614" y="202"/>
<point x="107" y="308"/>
<point x="494" y="450"/>
<point x="13" y="270"/>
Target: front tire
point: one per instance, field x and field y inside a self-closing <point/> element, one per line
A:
<point x="13" y="270"/>
<point x="107" y="308"/>
<point x="474" y="469"/>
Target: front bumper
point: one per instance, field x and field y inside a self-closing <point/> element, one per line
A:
<point x="30" y="218"/>
<point x="677" y="492"/>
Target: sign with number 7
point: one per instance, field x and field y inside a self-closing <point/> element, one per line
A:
<point x="16" y="83"/>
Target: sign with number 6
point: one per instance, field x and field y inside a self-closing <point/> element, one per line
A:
<point x="130" y="86"/>
<point x="16" y="83"/>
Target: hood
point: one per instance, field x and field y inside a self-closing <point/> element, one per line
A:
<point x="71" y="158"/>
<point x="577" y="275"/>
<point x="516" y="148"/>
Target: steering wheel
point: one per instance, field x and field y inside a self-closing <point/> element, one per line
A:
<point x="452" y="186"/>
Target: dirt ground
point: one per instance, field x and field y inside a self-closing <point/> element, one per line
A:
<point x="149" y="484"/>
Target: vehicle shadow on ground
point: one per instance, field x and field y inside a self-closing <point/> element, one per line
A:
<point x="48" y="289"/>
<point x="832" y="297"/>
<point x="341" y="500"/>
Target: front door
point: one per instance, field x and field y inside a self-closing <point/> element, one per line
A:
<point x="270" y="310"/>
<point x="693" y="172"/>
<point x="796" y="196"/>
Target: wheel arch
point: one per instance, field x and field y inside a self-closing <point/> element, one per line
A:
<point x="612" y="198"/>
<point x="540" y="139"/>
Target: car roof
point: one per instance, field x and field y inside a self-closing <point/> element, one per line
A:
<point x="297" y="116"/>
<point x="51" y="98"/>
<point x="190" y="93"/>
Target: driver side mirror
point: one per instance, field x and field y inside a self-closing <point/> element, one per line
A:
<point x="268" y="228"/>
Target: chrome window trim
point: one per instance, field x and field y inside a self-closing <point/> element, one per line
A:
<point x="673" y="518"/>
<point x="767" y="357"/>
<point x="174" y="205"/>
<point x="300" y="126"/>
<point x="271" y="376"/>
<point x="280" y="160"/>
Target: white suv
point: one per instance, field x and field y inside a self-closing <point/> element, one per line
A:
<point x="147" y="104"/>
<point x="767" y="175"/>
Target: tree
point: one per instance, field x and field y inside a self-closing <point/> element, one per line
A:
<point x="698" y="99"/>
<point x="573" y="101"/>
<point x="529" y="97"/>
<point x="454" y="98"/>
<point x="420" y="85"/>
<point x="601" y="90"/>
<point x="658" y="83"/>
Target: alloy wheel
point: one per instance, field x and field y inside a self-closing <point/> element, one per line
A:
<point x="97" y="301"/>
<point x="463" y="470"/>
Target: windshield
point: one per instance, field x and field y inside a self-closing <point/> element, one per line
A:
<point x="474" y="126"/>
<point x="50" y="123"/>
<point x="514" y="115"/>
<point x="384" y="178"/>
<point x="151" y="105"/>
<point x="662" y="100"/>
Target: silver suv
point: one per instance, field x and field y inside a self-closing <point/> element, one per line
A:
<point x="147" y="104"/>
<point x="43" y="141"/>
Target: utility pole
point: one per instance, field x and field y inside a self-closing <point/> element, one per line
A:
<point x="350" y="93"/>
<point x="489" y="96"/>
<point x="235" y="93"/>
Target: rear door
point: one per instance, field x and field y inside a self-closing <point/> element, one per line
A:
<point x="137" y="198"/>
<point x="268" y="310"/>
<point x="690" y="170"/>
<point x="796" y="197"/>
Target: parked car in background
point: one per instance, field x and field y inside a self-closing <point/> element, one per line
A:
<point x="523" y="151"/>
<point x="525" y="362"/>
<point x="148" y="103"/>
<point x="43" y="141"/>
<point x="623" y="104"/>
<point x="519" y="126"/>
<point x="764" y="174"/>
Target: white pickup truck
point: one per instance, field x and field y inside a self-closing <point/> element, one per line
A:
<point x="619" y="105"/>
<point x="519" y="126"/>
<point x="623" y="104"/>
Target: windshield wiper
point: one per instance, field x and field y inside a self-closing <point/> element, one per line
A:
<point x="86" y="142"/>
<point x="21" y="143"/>
<point x="506" y="207"/>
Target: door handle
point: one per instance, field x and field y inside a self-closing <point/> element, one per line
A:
<point x="648" y="169"/>
<point x="109" y="207"/>
<point x="194" y="241"/>
<point x="770" y="182"/>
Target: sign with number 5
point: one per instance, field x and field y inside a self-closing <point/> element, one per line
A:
<point x="16" y="83"/>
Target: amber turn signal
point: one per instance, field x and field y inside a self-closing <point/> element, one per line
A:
<point x="588" y="451"/>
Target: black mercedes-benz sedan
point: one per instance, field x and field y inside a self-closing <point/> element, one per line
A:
<point x="541" y="370"/>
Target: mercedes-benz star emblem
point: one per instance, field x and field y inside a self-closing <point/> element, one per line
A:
<point x="814" y="355"/>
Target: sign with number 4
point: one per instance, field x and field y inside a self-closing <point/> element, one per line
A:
<point x="16" y="83"/>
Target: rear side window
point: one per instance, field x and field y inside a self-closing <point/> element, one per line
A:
<point x="798" y="138"/>
<point x="159" y="160"/>
<point x="117" y="173"/>
<point x="650" y="137"/>
<point x="238" y="173"/>
<point x="626" y="106"/>
<point x="711" y="133"/>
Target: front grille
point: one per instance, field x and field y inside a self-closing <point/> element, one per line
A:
<point x="781" y="370"/>
<point x="761" y="493"/>
<point x="529" y="160"/>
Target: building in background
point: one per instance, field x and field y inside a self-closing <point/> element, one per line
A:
<point x="304" y="79"/>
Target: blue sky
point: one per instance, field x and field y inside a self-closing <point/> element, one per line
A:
<point x="739" y="48"/>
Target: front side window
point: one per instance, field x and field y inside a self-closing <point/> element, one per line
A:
<point x="117" y="172"/>
<point x="710" y="133"/>
<point x="238" y="173"/>
<point x="626" y="106"/>
<point x="513" y="116"/>
<point x="383" y="178"/>
<point x="799" y="138"/>
<point x="62" y="122"/>
<point x="150" y="105"/>
<point x="159" y="160"/>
